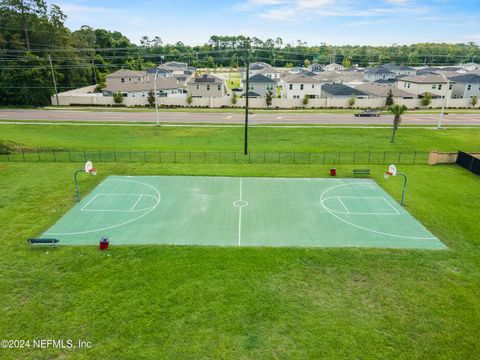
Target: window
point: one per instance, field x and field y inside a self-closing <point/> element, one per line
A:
<point x="290" y="87"/>
<point x="122" y="79"/>
<point x="434" y="86"/>
<point x="450" y="87"/>
<point x="408" y="86"/>
<point x="301" y="86"/>
<point x="219" y="87"/>
<point x="469" y="87"/>
<point x="313" y="86"/>
<point x="440" y="87"/>
<point x="208" y="87"/>
<point x="129" y="79"/>
<point x="198" y="87"/>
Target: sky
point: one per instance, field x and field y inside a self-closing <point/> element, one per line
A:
<point x="334" y="22"/>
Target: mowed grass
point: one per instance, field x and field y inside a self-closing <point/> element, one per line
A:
<point x="230" y="139"/>
<point x="168" y="302"/>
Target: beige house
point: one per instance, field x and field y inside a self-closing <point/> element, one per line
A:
<point x="166" y="87"/>
<point x="434" y="84"/>
<point x="382" y="90"/>
<point x="125" y="76"/>
<point x="207" y="86"/>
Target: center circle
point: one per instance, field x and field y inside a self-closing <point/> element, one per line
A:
<point x="240" y="203"/>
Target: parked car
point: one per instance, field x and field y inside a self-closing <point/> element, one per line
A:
<point x="368" y="113"/>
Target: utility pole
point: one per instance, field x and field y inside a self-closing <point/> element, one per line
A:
<point x="247" y="90"/>
<point x="442" y="114"/>
<point x="94" y="70"/>
<point x="54" y="81"/>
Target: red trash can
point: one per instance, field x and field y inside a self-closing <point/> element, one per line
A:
<point x="333" y="172"/>
<point x="104" y="243"/>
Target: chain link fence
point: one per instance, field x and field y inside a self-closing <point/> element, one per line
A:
<point x="219" y="157"/>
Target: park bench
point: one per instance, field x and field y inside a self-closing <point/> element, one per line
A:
<point x="42" y="241"/>
<point x="361" y="171"/>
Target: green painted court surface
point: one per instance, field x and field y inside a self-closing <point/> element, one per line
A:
<point x="228" y="211"/>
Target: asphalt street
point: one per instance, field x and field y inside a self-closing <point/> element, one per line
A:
<point x="234" y="118"/>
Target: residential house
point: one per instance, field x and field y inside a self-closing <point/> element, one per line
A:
<point x="334" y="67"/>
<point x="207" y="86"/>
<point x="379" y="73"/>
<point x="471" y="66"/>
<point x="399" y="70"/>
<point x="434" y="84"/>
<point x="316" y="68"/>
<point x="341" y="91"/>
<point x="297" y="86"/>
<point x="260" y="85"/>
<point x="159" y="72"/>
<point x="465" y="86"/>
<point x="382" y="90"/>
<point x="166" y="87"/>
<point x="125" y="76"/>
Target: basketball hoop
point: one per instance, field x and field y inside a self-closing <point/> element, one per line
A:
<point x="392" y="171"/>
<point x="89" y="168"/>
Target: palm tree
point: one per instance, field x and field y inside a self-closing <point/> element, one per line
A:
<point x="398" y="111"/>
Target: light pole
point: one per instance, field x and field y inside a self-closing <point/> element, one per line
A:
<point x="247" y="90"/>
<point x="156" y="100"/>
<point x="442" y="114"/>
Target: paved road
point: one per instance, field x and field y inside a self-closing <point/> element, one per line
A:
<point x="232" y="118"/>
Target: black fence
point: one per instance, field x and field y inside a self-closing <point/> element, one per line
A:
<point x="469" y="162"/>
<point x="220" y="157"/>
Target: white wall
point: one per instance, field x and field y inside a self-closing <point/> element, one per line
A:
<point x="68" y="98"/>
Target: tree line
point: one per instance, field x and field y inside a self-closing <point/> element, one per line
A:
<point x="32" y="33"/>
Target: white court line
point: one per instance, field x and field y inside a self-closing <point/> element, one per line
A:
<point x="240" y="216"/>
<point x="322" y="200"/>
<point x="125" y="222"/>
<point x="341" y="202"/>
<point x="88" y="203"/>
<point x="136" y="202"/>
<point x="391" y="206"/>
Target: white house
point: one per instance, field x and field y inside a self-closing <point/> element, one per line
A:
<point x="260" y="85"/>
<point x="434" y="84"/>
<point x="465" y="86"/>
<point x="297" y="86"/>
<point x="334" y="67"/>
<point x="380" y="73"/>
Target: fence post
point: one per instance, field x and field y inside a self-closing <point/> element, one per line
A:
<point x="324" y="155"/>
<point x="54" y="156"/>
<point x="8" y="157"/>
<point x="115" y="155"/>
<point x="309" y="157"/>
<point x="414" y="157"/>
<point x="369" y="155"/>
<point x="99" y="155"/>
<point x="175" y="156"/>
<point x="204" y="156"/>
<point x="399" y="156"/>
<point x="220" y="157"/>
<point x="354" y="156"/>
<point x="340" y="156"/>
<point x="264" y="157"/>
<point x="384" y="157"/>
<point x="234" y="157"/>
<point x="190" y="156"/>
<point x="23" y="156"/>
<point x="69" y="155"/>
<point x="145" y="155"/>
<point x="38" y="153"/>
<point x="130" y="154"/>
<point x="84" y="155"/>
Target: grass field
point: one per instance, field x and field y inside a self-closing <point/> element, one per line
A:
<point x="206" y="302"/>
<point x="228" y="139"/>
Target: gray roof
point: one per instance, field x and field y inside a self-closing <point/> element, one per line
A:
<point x="425" y="79"/>
<point x="341" y="90"/>
<point x="391" y="66"/>
<point x="159" y="70"/>
<point x="126" y="73"/>
<point x="302" y="78"/>
<point x="382" y="90"/>
<point x="251" y="94"/>
<point x="380" y="71"/>
<point x="207" y="79"/>
<point x="259" y="78"/>
<point x="467" y="78"/>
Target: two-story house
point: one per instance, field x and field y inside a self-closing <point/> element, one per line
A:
<point x="465" y="86"/>
<point x="434" y="84"/>
<point x="207" y="86"/>
<point x="260" y="85"/>
<point x="297" y="86"/>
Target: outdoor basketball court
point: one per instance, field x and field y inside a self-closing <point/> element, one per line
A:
<point x="228" y="211"/>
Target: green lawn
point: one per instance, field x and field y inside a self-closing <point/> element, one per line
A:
<point x="229" y="139"/>
<point x="154" y="302"/>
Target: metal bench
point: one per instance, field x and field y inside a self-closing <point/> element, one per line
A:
<point x="361" y="171"/>
<point x="43" y="241"/>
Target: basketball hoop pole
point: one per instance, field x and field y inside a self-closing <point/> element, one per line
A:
<point x="76" y="183"/>
<point x="404" y="187"/>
